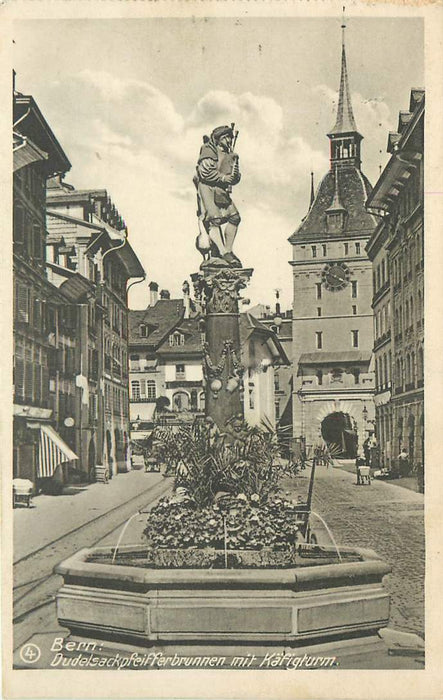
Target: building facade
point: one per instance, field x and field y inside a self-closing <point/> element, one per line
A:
<point x="397" y="254"/>
<point x="44" y="340"/>
<point x="333" y="380"/>
<point x="90" y="258"/>
<point x="166" y="365"/>
<point x="280" y="323"/>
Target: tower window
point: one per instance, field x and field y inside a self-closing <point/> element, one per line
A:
<point x="318" y="286"/>
<point x="314" y="251"/>
<point x="319" y="339"/>
<point x="354" y="310"/>
<point x="318" y="310"/>
<point x="319" y="377"/>
<point x="357" y="248"/>
<point x="346" y="245"/>
<point x="143" y="331"/>
<point x="354" y="288"/>
<point x="354" y="339"/>
<point x="325" y="250"/>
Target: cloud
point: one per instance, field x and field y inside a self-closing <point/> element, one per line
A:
<point x="147" y="152"/>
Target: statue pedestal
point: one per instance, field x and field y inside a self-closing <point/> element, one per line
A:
<point x="219" y="290"/>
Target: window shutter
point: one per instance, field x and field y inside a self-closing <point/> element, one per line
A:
<point x="19" y="224"/>
<point x="22" y="304"/>
<point x="28" y="380"/>
<point x="19" y="377"/>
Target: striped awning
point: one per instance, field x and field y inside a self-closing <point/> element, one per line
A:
<point x="52" y="451"/>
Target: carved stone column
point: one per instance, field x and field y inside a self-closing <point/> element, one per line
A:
<point x="218" y="290"/>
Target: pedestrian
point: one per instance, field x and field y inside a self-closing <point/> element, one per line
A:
<point x="403" y="462"/>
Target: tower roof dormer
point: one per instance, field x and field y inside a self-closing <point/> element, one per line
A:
<point x="344" y="137"/>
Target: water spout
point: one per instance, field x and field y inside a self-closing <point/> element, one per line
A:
<point x="121" y="535"/>
<point x="329" y="533"/>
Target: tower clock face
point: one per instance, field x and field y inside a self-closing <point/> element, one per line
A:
<point x="335" y="276"/>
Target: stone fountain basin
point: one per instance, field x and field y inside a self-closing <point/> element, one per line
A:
<point x="141" y="605"/>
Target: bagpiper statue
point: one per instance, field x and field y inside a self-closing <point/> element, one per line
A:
<point x="218" y="218"/>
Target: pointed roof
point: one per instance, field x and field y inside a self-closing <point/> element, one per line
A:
<point x="345" y="121"/>
<point x="354" y="189"/>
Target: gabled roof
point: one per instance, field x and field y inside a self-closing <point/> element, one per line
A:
<point x="250" y="325"/>
<point x="164" y="316"/>
<point x="190" y="329"/>
<point x="30" y="122"/>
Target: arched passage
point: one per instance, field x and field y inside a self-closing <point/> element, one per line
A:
<point x="340" y="435"/>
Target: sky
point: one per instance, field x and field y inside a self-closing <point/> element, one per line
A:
<point x="130" y="100"/>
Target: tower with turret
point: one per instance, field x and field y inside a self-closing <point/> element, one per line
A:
<point x="333" y="382"/>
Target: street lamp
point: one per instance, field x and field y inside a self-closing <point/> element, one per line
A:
<point x="365" y="413"/>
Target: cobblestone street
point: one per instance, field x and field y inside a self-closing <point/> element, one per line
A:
<point x="388" y="519"/>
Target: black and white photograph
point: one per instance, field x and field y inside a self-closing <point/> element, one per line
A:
<point x="219" y="442"/>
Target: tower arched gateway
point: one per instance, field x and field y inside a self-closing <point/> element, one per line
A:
<point x="340" y="434"/>
<point x="332" y="312"/>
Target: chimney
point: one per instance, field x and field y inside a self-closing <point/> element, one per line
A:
<point x="153" y="293"/>
<point x="165" y="294"/>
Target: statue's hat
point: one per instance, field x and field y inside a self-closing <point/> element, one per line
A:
<point x="220" y="131"/>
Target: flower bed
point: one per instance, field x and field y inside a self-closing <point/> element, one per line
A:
<point x="231" y="523"/>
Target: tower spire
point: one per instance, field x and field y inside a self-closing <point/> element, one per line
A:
<point x="345" y="121"/>
<point x="345" y="139"/>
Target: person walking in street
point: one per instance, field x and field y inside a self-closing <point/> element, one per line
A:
<point x="403" y="463"/>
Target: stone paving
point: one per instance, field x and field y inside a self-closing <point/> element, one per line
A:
<point x="383" y="517"/>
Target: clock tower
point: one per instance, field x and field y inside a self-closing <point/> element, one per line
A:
<point x="333" y="382"/>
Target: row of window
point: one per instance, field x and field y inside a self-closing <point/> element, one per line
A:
<point x="115" y="316"/>
<point x="31" y="183"/>
<point x="383" y="370"/>
<point x="30" y="374"/>
<point x="407" y="258"/>
<point x="29" y="235"/>
<point x="406" y="315"/>
<point x="409" y="369"/>
<point x="382" y="320"/>
<point x="143" y="389"/>
<point x="354" y="339"/>
<point x="116" y="400"/>
<point x="354" y="289"/>
<point x="380" y="275"/>
<point x="323" y="249"/>
<point x="34" y="311"/>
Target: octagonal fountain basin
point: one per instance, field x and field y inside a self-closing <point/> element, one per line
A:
<point x="313" y="595"/>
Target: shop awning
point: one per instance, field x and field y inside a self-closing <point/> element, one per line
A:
<point x="52" y="451"/>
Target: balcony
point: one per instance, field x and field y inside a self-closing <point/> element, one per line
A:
<point x="141" y="399"/>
